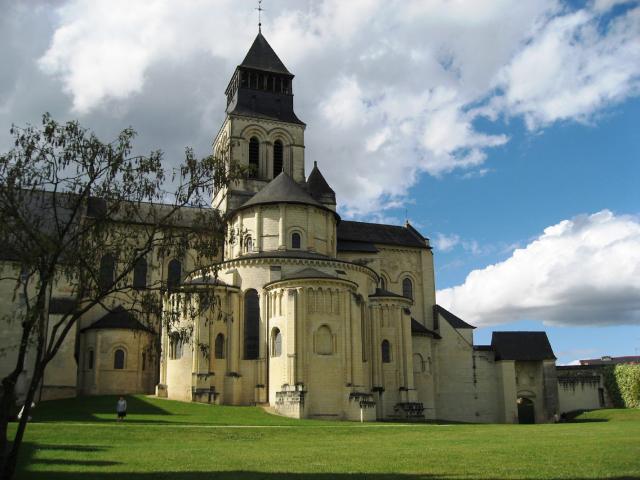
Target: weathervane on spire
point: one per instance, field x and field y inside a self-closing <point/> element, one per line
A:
<point x="260" y="10"/>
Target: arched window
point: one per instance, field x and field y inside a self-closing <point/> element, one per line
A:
<point x="251" y="325"/>
<point x="118" y="359"/>
<point x="324" y="341"/>
<point x="295" y="240"/>
<point x="219" y="346"/>
<point x="276" y="342"/>
<point x="140" y="273"/>
<point x="386" y="351"/>
<point x="277" y="158"/>
<point x="107" y="271"/>
<point x="254" y="157"/>
<point x="407" y="288"/>
<point x="248" y="244"/>
<point x="383" y="283"/>
<point x="174" y="274"/>
<point x="90" y="359"/>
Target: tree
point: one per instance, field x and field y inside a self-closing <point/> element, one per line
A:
<point x="67" y="203"/>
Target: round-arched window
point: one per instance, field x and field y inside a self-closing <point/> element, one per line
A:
<point x="324" y="341"/>
<point x="219" y="346"/>
<point x="276" y="342"/>
<point x="386" y="351"/>
<point x="295" y="240"/>
<point x="118" y="359"/>
<point x="407" y="288"/>
<point x="254" y="157"/>
<point x="277" y="158"/>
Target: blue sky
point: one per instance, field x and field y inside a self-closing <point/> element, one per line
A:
<point x="537" y="180"/>
<point x="506" y="130"/>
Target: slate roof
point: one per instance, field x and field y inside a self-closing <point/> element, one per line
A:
<point x="420" y="330"/>
<point x="283" y="189"/>
<point x="381" y="234"/>
<point x="351" y="246"/>
<point x="117" y="318"/>
<point x="381" y="292"/>
<point x="611" y="360"/>
<point x="308" y="273"/>
<point x="262" y="57"/>
<point x="454" y="321"/>
<point x="522" y="346"/>
<point x="286" y="254"/>
<point x="283" y="115"/>
<point x="318" y="187"/>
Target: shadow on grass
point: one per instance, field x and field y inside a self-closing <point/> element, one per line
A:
<point x="95" y="471"/>
<point x="85" y="409"/>
<point x="70" y="448"/>
<point x="249" y="475"/>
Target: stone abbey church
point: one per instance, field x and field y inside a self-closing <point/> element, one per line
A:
<point x="324" y="318"/>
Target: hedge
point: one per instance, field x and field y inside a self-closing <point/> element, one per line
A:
<point x="623" y="384"/>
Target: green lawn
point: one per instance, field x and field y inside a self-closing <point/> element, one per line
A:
<point x="79" y="439"/>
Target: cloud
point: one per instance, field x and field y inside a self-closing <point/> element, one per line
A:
<point x="575" y="64"/>
<point x="445" y="242"/>
<point x="393" y="89"/>
<point x="582" y="271"/>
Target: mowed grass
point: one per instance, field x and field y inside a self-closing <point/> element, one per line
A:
<point x="161" y="439"/>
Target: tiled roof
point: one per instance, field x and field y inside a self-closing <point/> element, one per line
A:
<point x="522" y="346"/>
<point x="453" y="320"/>
<point x="381" y="234"/>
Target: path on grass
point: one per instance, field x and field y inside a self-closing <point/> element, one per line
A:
<point x="184" y="425"/>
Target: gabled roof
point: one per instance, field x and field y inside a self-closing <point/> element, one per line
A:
<point x="381" y="234"/>
<point x="454" y="321"/>
<point x="522" y="346"/>
<point x="420" y="330"/>
<point x="283" y="189"/>
<point x="262" y="57"/>
<point x="318" y="187"/>
<point x="117" y="318"/>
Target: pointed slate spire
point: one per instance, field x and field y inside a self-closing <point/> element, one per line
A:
<point x="318" y="187"/>
<point x="262" y="57"/>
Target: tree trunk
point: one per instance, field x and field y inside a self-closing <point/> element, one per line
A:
<point x="10" y="460"/>
<point x="6" y="404"/>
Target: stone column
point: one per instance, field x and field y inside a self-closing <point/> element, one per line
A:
<point x="282" y="241"/>
<point x="258" y="242"/>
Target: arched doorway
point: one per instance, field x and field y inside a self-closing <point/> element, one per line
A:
<point x="526" y="410"/>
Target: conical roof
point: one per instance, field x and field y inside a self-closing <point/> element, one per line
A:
<point x="282" y="189"/>
<point x="262" y="57"/>
<point x="318" y="187"/>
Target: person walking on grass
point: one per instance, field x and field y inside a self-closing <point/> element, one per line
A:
<point x="121" y="408"/>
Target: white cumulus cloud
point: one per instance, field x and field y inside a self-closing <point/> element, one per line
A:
<point x="392" y="88"/>
<point x="582" y="271"/>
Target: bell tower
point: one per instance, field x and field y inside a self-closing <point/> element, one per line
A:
<point x="261" y="130"/>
